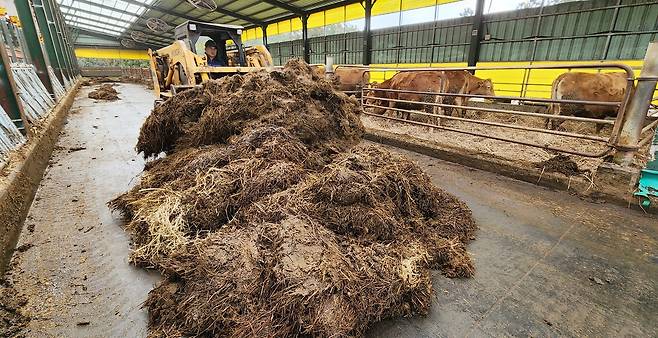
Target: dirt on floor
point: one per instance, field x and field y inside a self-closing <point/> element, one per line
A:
<point x="518" y="153"/>
<point x="560" y="164"/>
<point x="13" y="320"/>
<point x="105" y="92"/>
<point x="265" y="211"/>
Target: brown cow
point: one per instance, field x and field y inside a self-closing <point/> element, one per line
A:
<point x="463" y="82"/>
<point x="425" y="81"/>
<point x="607" y="87"/>
<point x="460" y="82"/>
<point x="352" y="79"/>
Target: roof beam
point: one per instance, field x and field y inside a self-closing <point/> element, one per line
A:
<point x="309" y="11"/>
<point x="238" y="16"/>
<point x="120" y="36"/>
<point x="333" y="5"/>
<point x="100" y="5"/>
<point x="153" y="37"/>
<point x="107" y="23"/>
<point x="159" y="9"/>
<point x="245" y="7"/>
<point x="88" y="12"/>
<point x="173" y="13"/>
<point x="283" y="5"/>
<point x="105" y="36"/>
<point x="184" y="15"/>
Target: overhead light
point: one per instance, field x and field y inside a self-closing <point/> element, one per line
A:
<point x="138" y="36"/>
<point x="157" y="25"/>
<point x="210" y="5"/>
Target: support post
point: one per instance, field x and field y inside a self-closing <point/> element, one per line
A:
<point x="42" y="21"/>
<point x="9" y="98"/>
<point x="33" y="43"/>
<point x="367" y="33"/>
<point x="65" y="36"/>
<point x="476" y="35"/>
<point x="305" y="42"/>
<point x="57" y="41"/>
<point x="264" y="29"/>
<point x="67" y="48"/>
<point x="637" y="108"/>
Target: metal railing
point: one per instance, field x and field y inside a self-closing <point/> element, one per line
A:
<point x="10" y="137"/>
<point x="34" y="96"/>
<point x="388" y="102"/>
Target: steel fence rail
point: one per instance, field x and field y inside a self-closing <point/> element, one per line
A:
<point x="496" y="124"/>
<point x="492" y="97"/>
<point x="472" y="133"/>
<point x="10" y="137"/>
<point x="612" y="141"/>
<point x="34" y="96"/>
<point x="494" y="110"/>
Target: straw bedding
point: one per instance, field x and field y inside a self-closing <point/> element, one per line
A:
<point x="267" y="218"/>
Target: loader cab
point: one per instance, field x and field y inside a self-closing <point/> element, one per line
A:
<point x="192" y="31"/>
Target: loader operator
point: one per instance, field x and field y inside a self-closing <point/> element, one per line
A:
<point x="214" y="57"/>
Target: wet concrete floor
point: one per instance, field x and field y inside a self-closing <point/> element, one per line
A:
<point x="548" y="264"/>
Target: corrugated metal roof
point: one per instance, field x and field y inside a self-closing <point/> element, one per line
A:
<point x="112" y="17"/>
<point x="119" y="18"/>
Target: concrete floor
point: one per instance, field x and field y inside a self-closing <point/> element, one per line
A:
<point x="77" y="274"/>
<point x="548" y="264"/>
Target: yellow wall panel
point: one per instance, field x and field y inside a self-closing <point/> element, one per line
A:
<point x="272" y="30"/>
<point x="296" y="24"/>
<point x="284" y="26"/>
<point x="124" y="54"/>
<point x="354" y="11"/>
<point x="316" y="20"/>
<point x="249" y="34"/>
<point x="386" y="7"/>
<point x="413" y="4"/>
<point x="448" y="64"/>
<point x="334" y="15"/>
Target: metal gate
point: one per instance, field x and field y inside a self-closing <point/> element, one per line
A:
<point x="386" y="100"/>
<point x="36" y="100"/>
<point x="10" y="137"/>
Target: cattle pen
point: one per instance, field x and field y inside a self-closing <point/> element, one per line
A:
<point x="329" y="168"/>
<point x="610" y="141"/>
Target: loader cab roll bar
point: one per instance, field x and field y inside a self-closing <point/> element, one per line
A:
<point x="191" y="31"/>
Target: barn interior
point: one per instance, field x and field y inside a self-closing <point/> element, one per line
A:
<point x="367" y="168"/>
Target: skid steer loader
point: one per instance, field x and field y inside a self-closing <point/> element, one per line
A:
<point x="180" y="66"/>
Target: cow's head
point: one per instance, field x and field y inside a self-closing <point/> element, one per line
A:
<point x="371" y="94"/>
<point x="484" y="87"/>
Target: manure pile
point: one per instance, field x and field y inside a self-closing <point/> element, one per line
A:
<point x="104" y="92"/>
<point x="268" y="219"/>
